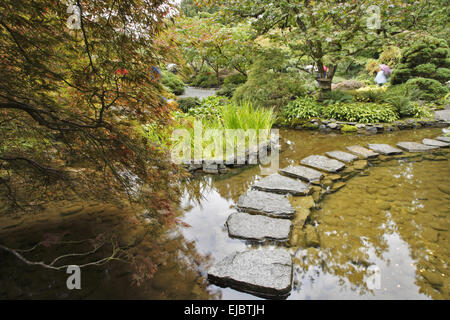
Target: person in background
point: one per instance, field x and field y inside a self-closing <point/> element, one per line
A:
<point x="383" y="74"/>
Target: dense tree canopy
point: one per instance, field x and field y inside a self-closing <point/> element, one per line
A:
<point x="75" y="100"/>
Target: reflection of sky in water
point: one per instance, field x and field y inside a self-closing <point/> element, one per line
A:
<point x="398" y="269"/>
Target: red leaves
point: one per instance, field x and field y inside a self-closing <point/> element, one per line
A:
<point x="122" y="71"/>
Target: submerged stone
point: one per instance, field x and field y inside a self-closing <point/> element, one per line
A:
<point x="362" y="152"/>
<point x="414" y="147"/>
<point x="323" y="163"/>
<point x="282" y="184"/>
<point x="262" y="272"/>
<point x="385" y="149"/>
<point x="303" y="173"/>
<point x="271" y="204"/>
<point x="342" y="156"/>
<point x="257" y="227"/>
<point x="435" y="143"/>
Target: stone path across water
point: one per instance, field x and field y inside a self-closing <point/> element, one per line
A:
<point x="270" y="204"/>
<point x="414" y="147"/>
<point x="281" y="184"/>
<point x="303" y="173"/>
<point x="258" y="227"/>
<point x="385" y="149"/>
<point x="323" y="163"/>
<point x="342" y="156"/>
<point x="264" y="215"/>
<point x="435" y="143"/>
<point x="362" y="152"/>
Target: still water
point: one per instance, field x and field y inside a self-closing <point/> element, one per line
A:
<point x="394" y="215"/>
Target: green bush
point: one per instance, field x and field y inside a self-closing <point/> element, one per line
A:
<point x="186" y="104"/>
<point x="302" y="108"/>
<point x="205" y="79"/>
<point x="361" y="112"/>
<point x="272" y="82"/>
<point x="368" y="94"/>
<point x="210" y="108"/>
<point x="426" y="58"/>
<point x="426" y="89"/>
<point x="173" y="83"/>
<point x="348" y="128"/>
<point x="336" y="96"/>
<point x="230" y="84"/>
<point x="246" y="116"/>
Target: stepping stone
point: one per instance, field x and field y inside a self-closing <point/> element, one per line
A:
<point x="342" y="156"/>
<point x="323" y="163"/>
<point x="265" y="272"/>
<point x="435" y="143"/>
<point x="303" y="173"/>
<point x="282" y="184"/>
<point x="256" y="227"/>
<point x="443" y="139"/>
<point x="270" y="204"/>
<point x="414" y="147"/>
<point x="362" y="152"/>
<point x="385" y="149"/>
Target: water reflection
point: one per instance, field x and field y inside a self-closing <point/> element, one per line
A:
<point x="378" y="219"/>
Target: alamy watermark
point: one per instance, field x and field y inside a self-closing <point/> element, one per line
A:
<point x="74" y="20"/>
<point x="74" y="280"/>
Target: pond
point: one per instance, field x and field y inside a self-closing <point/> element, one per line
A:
<point x="395" y="216"/>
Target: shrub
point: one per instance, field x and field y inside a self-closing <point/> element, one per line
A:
<point x="173" y="83"/>
<point x="302" y="108"/>
<point x="368" y="94"/>
<point x="348" y="128"/>
<point x="336" y="96"/>
<point x="186" y="104"/>
<point x="205" y="79"/>
<point x="246" y="116"/>
<point x="425" y="59"/>
<point x="230" y="84"/>
<point x="271" y="83"/>
<point x="361" y="112"/>
<point x="390" y="56"/>
<point x="210" y="108"/>
<point x="426" y="89"/>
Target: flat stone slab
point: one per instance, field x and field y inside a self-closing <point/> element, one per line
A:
<point x="414" y="147"/>
<point x="443" y="139"/>
<point x="385" y="149"/>
<point x="342" y="156"/>
<point x="282" y="184"/>
<point x="264" y="272"/>
<point x="256" y="227"/>
<point x="362" y="152"/>
<point x="435" y="143"/>
<point x="303" y="173"/>
<point x="271" y="204"/>
<point x="323" y="163"/>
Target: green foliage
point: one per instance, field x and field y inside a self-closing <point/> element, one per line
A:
<point x="368" y="94"/>
<point x="185" y="104"/>
<point x="230" y="84"/>
<point x="426" y="89"/>
<point x="348" y="128"/>
<point x="210" y="108"/>
<point x="173" y="83"/>
<point x="360" y="112"/>
<point x="246" y="116"/>
<point x="426" y="58"/>
<point x="336" y="96"/>
<point x="390" y="56"/>
<point x="271" y="82"/>
<point x="205" y="79"/>
<point x="303" y="108"/>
